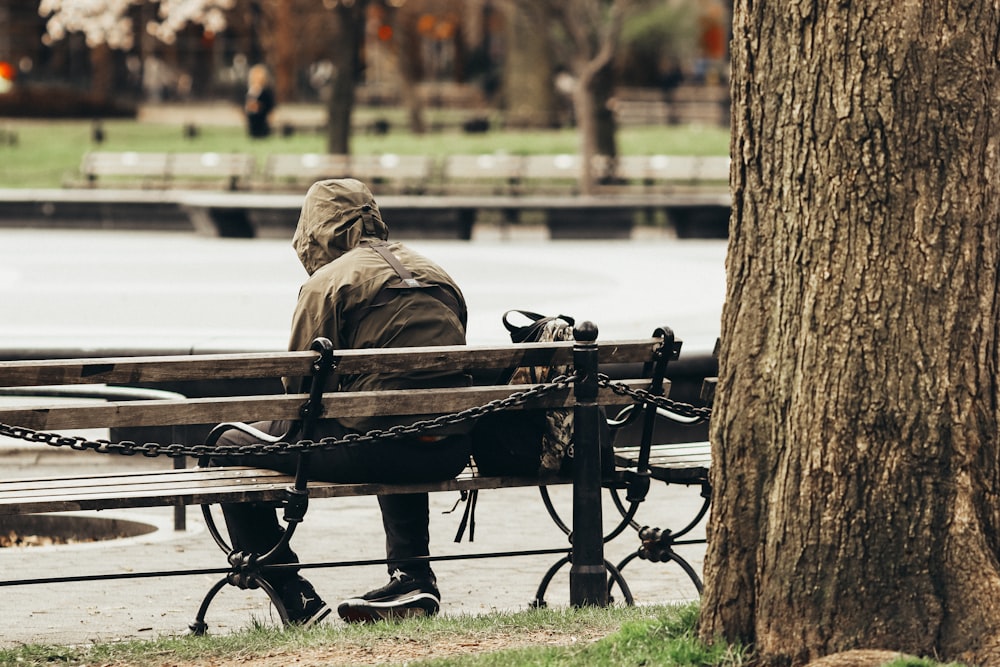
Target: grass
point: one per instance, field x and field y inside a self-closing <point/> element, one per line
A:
<point x="46" y="152"/>
<point x="650" y="635"/>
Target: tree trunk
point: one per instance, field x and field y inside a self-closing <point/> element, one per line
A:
<point x="584" y="103"/>
<point x="407" y="58"/>
<point x="595" y="41"/>
<point x="102" y="75"/>
<point x="856" y="456"/>
<point x="603" y="91"/>
<point x="529" y="96"/>
<point x="345" y="54"/>
<point x="595" y="125"/>
<point x="285" y="36"/>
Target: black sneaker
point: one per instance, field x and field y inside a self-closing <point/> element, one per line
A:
<point x="304" y="606"/>
<point x="402" y="597"/>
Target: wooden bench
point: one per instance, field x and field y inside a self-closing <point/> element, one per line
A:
<point x="297" y="171"/>
<point x="202" y="486"/>
<point x="228" y="171"/>
<point x="486" y="173"/>
<point x="386" y="173"/>
<point x="494" y="173"/>
<point x="655" y="173"/>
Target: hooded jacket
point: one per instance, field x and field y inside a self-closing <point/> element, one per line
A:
<point x="354" y="297"/>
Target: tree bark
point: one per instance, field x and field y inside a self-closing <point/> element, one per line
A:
<point x="854" y="433"/>
<point x="345" y="53"/>
<point x="594" y="32"/>
<point x="405" y="54"/>
<point x="285" y="34"/>
<point x="528" y="93"/>
<point x="102" y="75"/>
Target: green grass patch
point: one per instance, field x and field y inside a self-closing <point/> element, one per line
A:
<point x="646" y="635"/>
<point x="47" y="154"/>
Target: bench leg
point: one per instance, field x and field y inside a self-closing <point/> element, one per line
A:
<point x="614" y="577"/>
<point x="199" y="627"/>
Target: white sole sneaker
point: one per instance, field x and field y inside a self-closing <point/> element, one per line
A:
<point x="417" y="604"/>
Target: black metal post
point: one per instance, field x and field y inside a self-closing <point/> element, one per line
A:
<point x="180" y="509"/>
<point x="587" y="576"/>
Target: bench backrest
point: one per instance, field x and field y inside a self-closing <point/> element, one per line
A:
<point x="304" y="169"/>
<point x="128" y="165"/>
<point x="493" y="173"/>
<point x="387" y="172"/>
<point x="231" y="170"/>
<point x="228" y="170"/>
<point x="481" y="361"/>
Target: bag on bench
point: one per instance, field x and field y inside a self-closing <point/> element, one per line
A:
<point x="527" y="442"/>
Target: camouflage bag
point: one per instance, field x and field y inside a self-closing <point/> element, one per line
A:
<point x="527" y="442"/>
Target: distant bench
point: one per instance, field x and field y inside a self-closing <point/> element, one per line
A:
<point x="227" y="171"/>
<point x="391" y="173"/>
<point x="628" y="470"/>
<point x="496" y="173"/>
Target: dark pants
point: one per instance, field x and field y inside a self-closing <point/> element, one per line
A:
<point x="254" y="528"/>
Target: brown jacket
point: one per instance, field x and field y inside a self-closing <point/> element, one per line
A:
<point x="352" y="295"/>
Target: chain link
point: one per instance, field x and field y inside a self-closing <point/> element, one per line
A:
<point x="152" y="449"/>
<point x="697" y="414"/>
<point x="175" y="450"/>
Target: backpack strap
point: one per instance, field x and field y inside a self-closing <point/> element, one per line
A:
<point x="407" y="281"/>
<point x="529" y="333"/>
<point x="405" y="277"/>
<point x="468" y="516"/>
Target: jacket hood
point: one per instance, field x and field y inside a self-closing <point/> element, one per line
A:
<point x="336" y="214"/>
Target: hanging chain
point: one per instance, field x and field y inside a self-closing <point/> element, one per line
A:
<point x="152" y="449"/>
<point x="697" y="414"/>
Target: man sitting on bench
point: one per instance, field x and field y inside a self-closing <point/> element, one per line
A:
<point x="364" y="292"/>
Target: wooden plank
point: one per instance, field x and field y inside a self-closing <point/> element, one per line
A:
<point x="283" y="406"/>
<point x="126" y="164"/>
<point x="187" y="478"/>
<point x="249" y="485"/>
<point x="133" y="370"/>
<point x="679" y="455"/>
<point x="683" y="463"/>
<point x="210" y="165"/>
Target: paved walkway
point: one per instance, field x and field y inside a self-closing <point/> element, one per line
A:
<point x="335" y="530"/>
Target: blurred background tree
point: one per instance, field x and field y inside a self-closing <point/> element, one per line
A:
<point x="524" y="63"/>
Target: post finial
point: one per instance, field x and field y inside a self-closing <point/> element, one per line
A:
<point x="585" y="332"/>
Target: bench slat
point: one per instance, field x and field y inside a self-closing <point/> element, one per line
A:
<point x="132" y="370"/>
<point x="679" y="463"/>
<point x="180" y="478"/>
<point x="210" y="485"/>
<point x="283" y="406"/>
<point x="675" y="463"/>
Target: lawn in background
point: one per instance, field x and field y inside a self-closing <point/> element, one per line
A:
<point x="47" y="154"/>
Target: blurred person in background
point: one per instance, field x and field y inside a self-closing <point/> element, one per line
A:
<point x="259" y="103"/>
